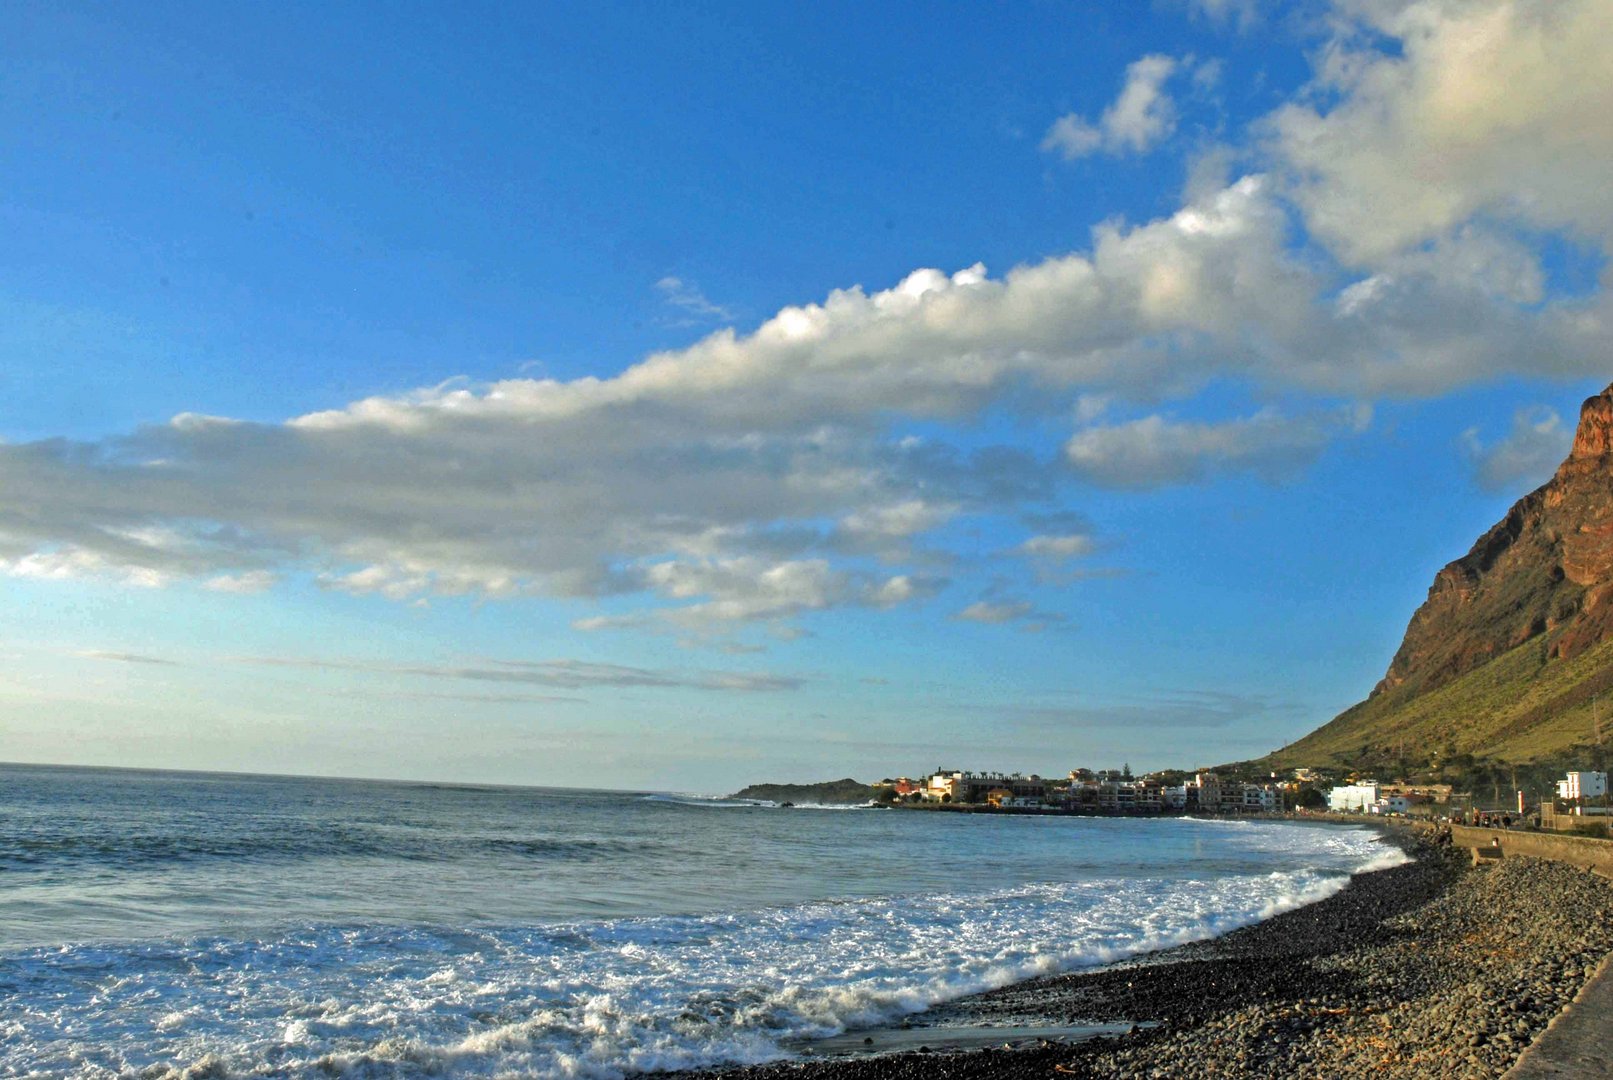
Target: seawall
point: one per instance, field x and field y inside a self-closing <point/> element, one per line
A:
<point x="1586" y="851"/>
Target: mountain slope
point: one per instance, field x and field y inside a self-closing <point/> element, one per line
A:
<point x="1507" y="656"/>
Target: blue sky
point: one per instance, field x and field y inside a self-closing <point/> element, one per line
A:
<point x="630" y="396"/>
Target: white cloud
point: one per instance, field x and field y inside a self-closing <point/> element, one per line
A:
<point x="903" y="519"/>
<point x="1155" y="452"/>
<point x="986" y="611"/>
<point x="747" y="589"/>
<point x="751" y="477"/>
<point x="1242" y="12"/>
<point x="1057" y="547"/>
<point x="247" y="582"/>
<point x="1528" y="455"/>
<point x="1136" y="121"/>
<point x="564" y="674"/>
<point x="1002" y="612"/>
<point x="62" y="563"/>
<point x="901" y="589"/>
<point x="687" y="298"/>
<point x="1207" y="76"/>
<point x="126" y="657"/>
<point x="1478" y="107"/>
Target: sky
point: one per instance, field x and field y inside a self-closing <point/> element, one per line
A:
<point x="679" y="396"/>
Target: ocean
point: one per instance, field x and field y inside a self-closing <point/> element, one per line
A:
<point x="173" y="925"/>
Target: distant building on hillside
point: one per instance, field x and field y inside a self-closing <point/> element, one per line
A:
<point x="1353" y="798"/>
<point x="1582" y="785"/>
<point x="1439" y="793"/>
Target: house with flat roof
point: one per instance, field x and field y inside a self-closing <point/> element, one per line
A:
<point x="1582" y="785"/>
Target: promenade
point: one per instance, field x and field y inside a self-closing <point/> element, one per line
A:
<point x="1579" y="1042"/>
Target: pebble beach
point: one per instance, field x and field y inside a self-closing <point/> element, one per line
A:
<point x="1428" y="969"/>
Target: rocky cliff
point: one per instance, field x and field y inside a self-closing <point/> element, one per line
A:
<point x="1536" y="589"/>
<point x="1544" y="569"/>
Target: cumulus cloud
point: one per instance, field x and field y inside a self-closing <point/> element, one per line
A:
<point x="1057" y="543"/>
<point x="1527" y="455"/>
<point x="1140" y="118"/>
<point x="757" y="477"/>
<point x="1429" y="113"/>
<point x="1156" y="452"/>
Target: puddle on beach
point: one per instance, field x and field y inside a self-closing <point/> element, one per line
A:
<point x="960" y="1037"/>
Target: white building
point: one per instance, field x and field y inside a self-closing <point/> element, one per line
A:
<point x="1260" y="797"/>
<point x="1352" y="798"/>
<point x="1582" y="785"/>
<point x="942" y="786"/>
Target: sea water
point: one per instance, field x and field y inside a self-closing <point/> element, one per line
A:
<point x="183" y="924"/>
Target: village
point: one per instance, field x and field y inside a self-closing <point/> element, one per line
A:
<point x="1085" y="791"/>
<point x="1580" y="794"/>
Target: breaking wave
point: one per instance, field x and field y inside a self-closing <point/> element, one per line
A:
<point x="606" y="998"/>
<point x="189" y="926"/>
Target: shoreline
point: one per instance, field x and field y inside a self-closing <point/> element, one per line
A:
<point x="1426" y="969"/>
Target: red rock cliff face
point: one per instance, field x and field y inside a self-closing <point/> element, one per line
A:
<point x="1544" y="571"/>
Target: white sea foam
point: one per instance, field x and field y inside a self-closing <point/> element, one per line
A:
<point x="610" y="997"/>
<point x="722" y="802"/>
<point x="824" y="806"/>
<point x="714" y="802"/>
<point x="513" y="932"/>
<point x="1386" y="857"/>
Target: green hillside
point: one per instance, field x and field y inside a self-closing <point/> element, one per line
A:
<point x="1523" y="706"/>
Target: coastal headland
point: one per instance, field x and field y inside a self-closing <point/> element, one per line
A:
<point x="1433" y="968"/>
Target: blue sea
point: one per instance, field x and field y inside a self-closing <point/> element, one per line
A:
<point x="168" y="925"/>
